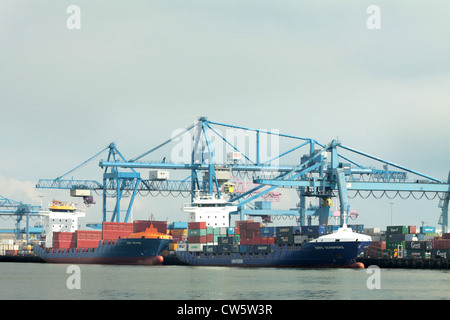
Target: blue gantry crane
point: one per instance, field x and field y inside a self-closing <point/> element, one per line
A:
<point x="18" y="210"/>
<point x="212" y="153"/>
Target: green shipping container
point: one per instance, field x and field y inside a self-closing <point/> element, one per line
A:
<point x="397" y="230"/>
<point x="392" y="245"/>
<point x="197" y="232"/>
<point x="209" y="230"/>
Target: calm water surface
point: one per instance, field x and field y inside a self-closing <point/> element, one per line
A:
<point x="49" y="281"/>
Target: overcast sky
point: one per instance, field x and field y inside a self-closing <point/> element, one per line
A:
<point x="138" y="70"/>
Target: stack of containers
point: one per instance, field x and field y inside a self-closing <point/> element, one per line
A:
<point x="196" y="236"/>
<point x="114" y="230"/>
<point x="88" y="238"/>
<point x="406" y="237"/>
<point x="285" y="235"/>
<point x="178" y="231"/>
<point x="395" y="238"/>
<point x="227" y="244"/>
<point x="248" y="231"/>
<point x="441" y="247"/>
<point x="64" y="240"/>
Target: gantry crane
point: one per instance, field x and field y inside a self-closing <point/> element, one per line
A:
<point x="18" y="210"/>
<point x="324" y="172"/>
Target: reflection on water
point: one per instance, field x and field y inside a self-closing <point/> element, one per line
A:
<point x="48" y="281"/>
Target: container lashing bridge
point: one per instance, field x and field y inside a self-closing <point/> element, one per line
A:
<point x="325" y="171"/>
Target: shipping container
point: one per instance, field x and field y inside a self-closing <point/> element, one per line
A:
<point x="440" y="253"/>
<point x="226" y="240"/>
<point x="179" y="225"/>
<point x="395" y="237"/>
<point x="427" y="229"/>
<point x="418" y="245"/>
<point x="412" y="229"/>
<point x="210" y="249"/>
<point x="197" y="232"/>
<point x="372" y="231"/>
<point x="230" y="231"/>
<point x="196" y="239"/>
<point x="224" y="248"/>
<point x="209" y="230"/>
<point x="284" y="230"/>
<point x="196" y="225"/>
<point x="196" y="247"/>
<point x="443" y="244"/>
<point x="285" y="239"/>
<point x="159" y="174"/>
<point x="262" y="248"/>
<point x="394" y="245"/>
<point x="178" y="238"/>
<point x="397" y="229"/>
<point x="446" y="236"/>
<point x="178" y="232"/>
<point x="182" y="247"/>
<point x="313" y="230"/>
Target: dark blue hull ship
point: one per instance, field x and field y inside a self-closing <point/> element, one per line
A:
<point x="335" y="250"/>
<point x="122" y="251"/>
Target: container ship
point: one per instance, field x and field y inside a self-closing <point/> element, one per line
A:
<point x="139" y="243"/>
<point x="212" y="242"/>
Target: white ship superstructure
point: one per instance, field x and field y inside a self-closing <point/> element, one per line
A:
<point x="215" y="212"/>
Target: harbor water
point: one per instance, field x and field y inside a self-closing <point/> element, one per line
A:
<point x="23" y="281"/>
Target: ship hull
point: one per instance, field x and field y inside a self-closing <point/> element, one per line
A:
<point x="308" y="255"/>
<point x="123" y="251"/>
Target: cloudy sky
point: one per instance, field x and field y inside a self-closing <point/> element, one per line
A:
<point x="138" y="70"/>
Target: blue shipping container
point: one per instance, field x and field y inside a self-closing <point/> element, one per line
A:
<point x="313" y="230"/>
<point x="266" y="231"/>
<point x="179" y="225"/>
<point x="427" y="230"/>
<point x="230" y="231"/>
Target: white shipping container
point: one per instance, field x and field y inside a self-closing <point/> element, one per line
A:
<point x="158" y="175"/>
<point x="181" y="247"/>
<point x="372" y="231"/>
<point x="196" y="247"/>
<point x="80" y="192"/>
<point x="299" y="239"/>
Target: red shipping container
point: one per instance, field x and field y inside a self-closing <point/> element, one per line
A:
<point x="118" y="226"/>
<point x="442" y="244"/>
<point x="88" y="235"/>
<point x="178" y="238"/>
<point x="196" y="225"/>
<point x="114" y="235"/>
<point x="197" y="239"/>
<point x="64" y="240"/>
<point x="412" y="229"/>
<point x="446" y="236"/>
<point x="87" y="243"/>
<point x="209" y="238"/>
